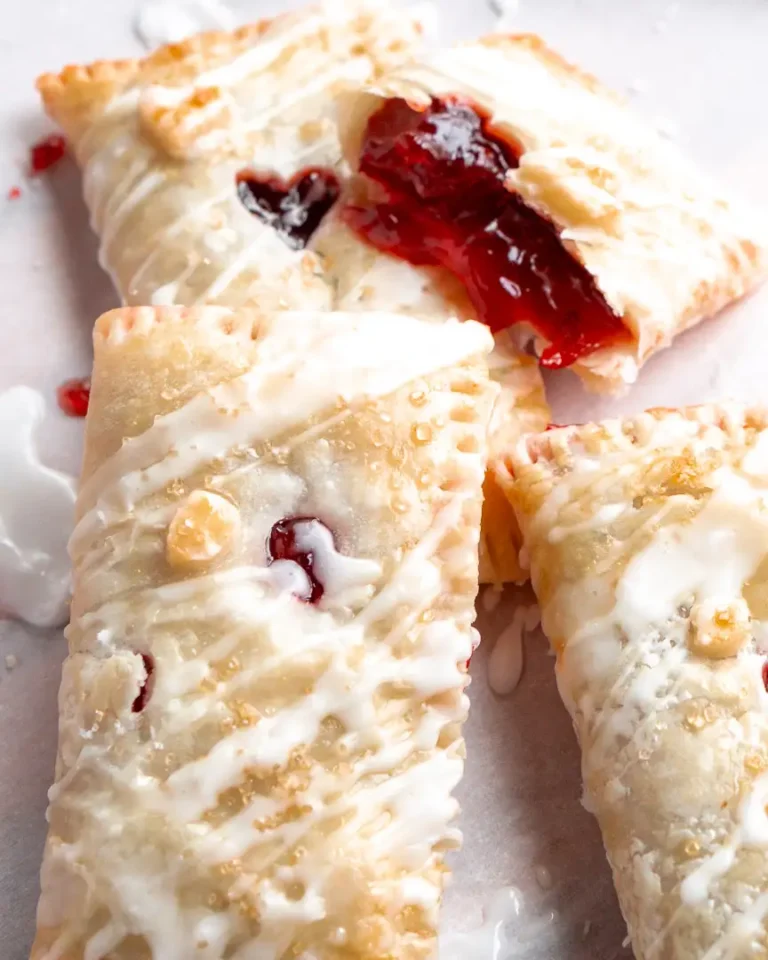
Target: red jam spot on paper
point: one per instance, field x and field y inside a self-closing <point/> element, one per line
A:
<point x="73" y="396"/>
<point x="765" y="675"/>
<point x="294" y="208"/>
<point x="14" y="193"/>
<point x="46" y="153"/>
<point x="282" y="546"/>
<point x="444" y="202"/>
<point x="145" y="692"/>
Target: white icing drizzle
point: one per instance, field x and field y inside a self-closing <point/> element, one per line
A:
<point x="349" y="643"/>
<point x="36" y="516"/>
<point x="167" y="21"/>
<point x="632" y="623"/>
<point x="271" y="93"/>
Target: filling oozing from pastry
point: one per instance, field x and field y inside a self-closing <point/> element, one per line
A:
<point x="444" y="203"/>
<point x="293" y="208"/>
<point x="296" y="539"/>
<point x="142" y="697"/>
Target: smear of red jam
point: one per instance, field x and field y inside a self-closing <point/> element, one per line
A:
<point x="282" y="545"/>
<point x="14" y="193"/>
<point x="765" y="675"/>
<point x="73" y="396"/>
<point x="442" y="172"/>
<point x="294" y="208"/>
<point x="145" y="692"/>
<point x="46" y="153"/>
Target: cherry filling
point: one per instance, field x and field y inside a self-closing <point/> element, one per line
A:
<point x="765" y="675"/>
<point x="73" y="397"/>
<point x="293" y="208"/>
<point x="46" y="153"/>
<point x="442" y="172"/>
<point x="284" y="544"/>
<point x="145" y="692"/>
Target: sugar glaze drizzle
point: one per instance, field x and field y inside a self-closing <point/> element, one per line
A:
<point x="250" y="600"/>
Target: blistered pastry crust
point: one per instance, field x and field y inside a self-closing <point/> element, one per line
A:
<point x="284" y="783"/>
<point x="665" y="246"/>
<point x="648" y="547"/>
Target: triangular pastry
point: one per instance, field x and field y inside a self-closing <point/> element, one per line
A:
<point x="648" y="547"/>
<point x="568" y="219"/>
<point x="275" y="570"/>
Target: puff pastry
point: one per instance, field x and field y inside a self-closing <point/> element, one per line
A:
<point x="162" y="142"/>
<point x="648" y="548"/>
<point x="275" y="568"/>
<point x="498" y="152"/>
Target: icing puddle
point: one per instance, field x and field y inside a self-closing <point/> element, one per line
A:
<point x="36" y="516"/>
<point x="504" y="934"/>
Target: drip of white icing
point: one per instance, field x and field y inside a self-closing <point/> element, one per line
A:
<point x="346" y="581"/>
<point x="167" y="21"/>
<point x="490" y="940"/>
<point x="36" y="516"/>
<point x="505" y="933"/>
<point x="505" y="663"/>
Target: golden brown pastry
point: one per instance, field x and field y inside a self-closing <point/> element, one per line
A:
<point x="275" y="569"/>
<point x="648" y="547"/>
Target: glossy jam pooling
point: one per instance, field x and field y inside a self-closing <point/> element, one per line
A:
<point x="284" y="544"/>
<point x="293" y="208"/>
<point x="444" y="203"/>
<point x="73" y="396"/>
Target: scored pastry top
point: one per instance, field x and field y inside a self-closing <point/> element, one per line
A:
<point x="647" y="540"/>
<point x="663" y="244"/>
<point x="275" y="571"/>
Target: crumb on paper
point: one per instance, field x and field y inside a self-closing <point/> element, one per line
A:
<point x="11" y="661"/>
<point x="667" y="128"/>
<point x="638" y="86"/>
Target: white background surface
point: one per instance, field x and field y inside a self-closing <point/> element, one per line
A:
<point x="699" y="70"/>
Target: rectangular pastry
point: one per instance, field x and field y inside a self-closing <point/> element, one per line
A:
<point x="213" y="171"/>
<point x="648" y="548"/>
<point x="208" y="165"/>
<point x="275" y="569"/>
<point x="563" y="214"/>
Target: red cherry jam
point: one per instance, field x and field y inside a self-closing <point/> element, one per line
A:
<point x="14" y="193"/>
<point x="444" y="203"/>
<point x="73" y="396"/>
<point x="294" y="208"/>
<point x="46" y="153"/>
<point x="283" y="545"/>
<point x="145" y="691"/>
<point x="765" y="675"/>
